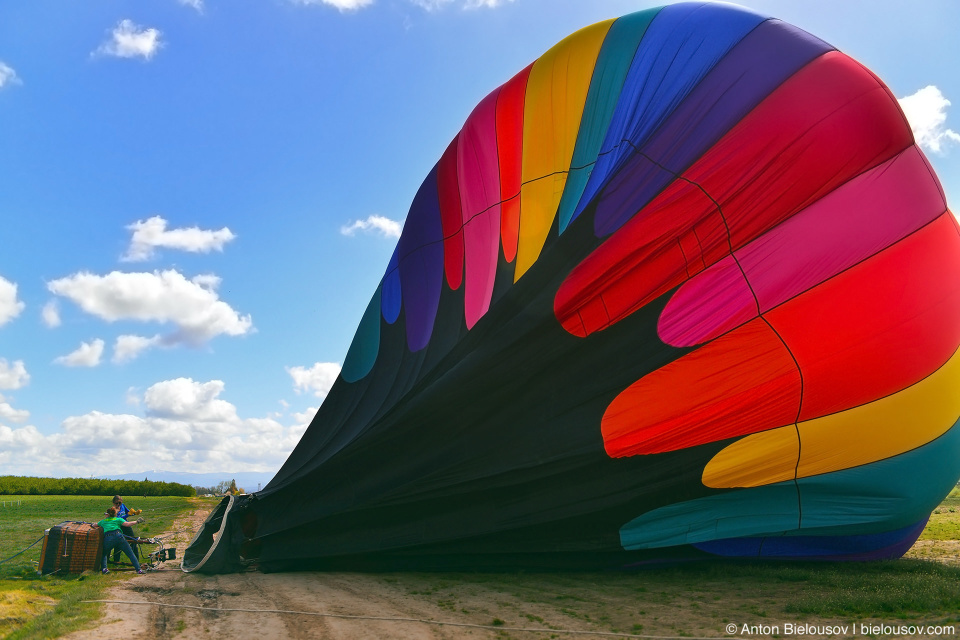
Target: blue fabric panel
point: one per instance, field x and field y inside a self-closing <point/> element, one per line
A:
<point x="362" y="354"/>
<point x="743" y="512"/>
<point x="421" y="263"/>
<point x="761" y="62"/>
<point x="390" y="299"/>
<point x="679" y="48"/>
<point x="882" y="495"/>
<point x="873" y="546"/>
<point x="613" y="62"/>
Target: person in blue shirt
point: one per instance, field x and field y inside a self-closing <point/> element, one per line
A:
<point x="113" y="539"/>
<point x="122" y="512"/>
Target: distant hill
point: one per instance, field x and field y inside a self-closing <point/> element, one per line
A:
<point x="245" y="479"/>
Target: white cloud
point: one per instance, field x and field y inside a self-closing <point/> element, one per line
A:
<point x="341" y="5"/>
<point x="8" y="76"/>
<point x="13" y="375"/>
<point x="490" y="4"/>
<point x="196" y="4"/>
<point x="306" y="416"/>
<point x="187" y="427"/>
<point x="153" y="233"/>
<point x="374" y="224"/>
<point x="51" y="314"/>
<point x="10" y="307"/>
<point x="185" y="399"/>
<point x="129" y="40"/>
<point x="166" y="297"/>
<point x="129" y="347"/>
<point x="132" y="397"/>
<point x="13" y="415"/>
<point x="88" y="354"/>
<point x="319" y="378"/>
<point x="926" y="111"/>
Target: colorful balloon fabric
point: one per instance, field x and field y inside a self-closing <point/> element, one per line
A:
<point x="683" y="287"/>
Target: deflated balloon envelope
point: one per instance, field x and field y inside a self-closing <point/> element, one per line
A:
<point x="683" y="286"/>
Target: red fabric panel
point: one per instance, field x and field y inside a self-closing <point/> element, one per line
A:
<point x="879" y="327"/>
<point x="826" y="124"/>
<point x="451" y="222"/>
<point x="741" y="383"/>
<point x="831" y="121"/>
<point x="510" y="149"/>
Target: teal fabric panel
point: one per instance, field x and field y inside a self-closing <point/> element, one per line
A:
<point x="883" y="495"/>
<point x="362" y="353"/>
<point x="613" y="62"/>
<point x="744" y="512"/>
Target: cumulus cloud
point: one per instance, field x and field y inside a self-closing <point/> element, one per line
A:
<point x="129" y="347"/>
<point x="374" y="224"/>
<point x="187" y="427"/>
<point x="8" y="76"/>
<point x="51" y="314"/>
<point x="341" y="5"/>
<point x="926" y="111"/>
<point x="13" y="415"/>
<point x="152" y="233"/>
<point x="195" y="4"/>
<point x="13" y="375"/>
<point x="129" y="40"/>
<point x="193" y="306"/>
<point x="10" y="307"/>
<point x="88" y="354"/>
<point x="319" y="378"/>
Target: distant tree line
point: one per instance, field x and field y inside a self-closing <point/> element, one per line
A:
<point x="23" y="485"/>
<point x="220" y="489"/>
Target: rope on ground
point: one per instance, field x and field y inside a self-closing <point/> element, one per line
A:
<point x="490" y="627"/>
<point x="17" y="554"/>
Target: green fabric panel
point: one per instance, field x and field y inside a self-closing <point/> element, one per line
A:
<point x="616" y="56"/>
<point x="883" y="495"/>
<point x="362" y="353"/>
<point x="747" y="512"/>
<point x="880" y="496"/>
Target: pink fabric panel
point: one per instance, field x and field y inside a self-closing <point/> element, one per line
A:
<point x="478" y="170"/>
<point x="707" y="306"/>
<point x="862" y="217"/>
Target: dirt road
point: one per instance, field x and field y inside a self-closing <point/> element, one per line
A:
<point x="352" y="606"/>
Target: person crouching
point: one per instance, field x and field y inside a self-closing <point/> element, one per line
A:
<point x="113" y="539"/>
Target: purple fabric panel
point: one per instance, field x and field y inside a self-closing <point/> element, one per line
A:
<point x="421" y="263"/>
<point x="390" y="299"/>
<point x="478" y="171"/>
<point x="861" y="218"/>
<point x="756" y="66"/>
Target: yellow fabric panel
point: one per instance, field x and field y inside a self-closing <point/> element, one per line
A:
<point x="758" y="459"/>
<point x="886" y="427"/>
<point x="556" y="93"/>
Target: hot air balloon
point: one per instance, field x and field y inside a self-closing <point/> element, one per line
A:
<point x="682" y="287"/>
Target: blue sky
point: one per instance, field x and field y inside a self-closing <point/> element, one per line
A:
<point x="198" y="197"/>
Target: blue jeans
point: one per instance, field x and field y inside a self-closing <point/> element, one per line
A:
<point x="115" y="540"/>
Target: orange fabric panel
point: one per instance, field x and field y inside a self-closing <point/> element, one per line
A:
<point x="741" y="383"/>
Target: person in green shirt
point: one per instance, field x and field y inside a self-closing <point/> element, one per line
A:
<point x="113" y="539"/>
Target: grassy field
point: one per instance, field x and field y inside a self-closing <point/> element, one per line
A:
<point x="49" y="606"/>
<point x="697" y="599"/>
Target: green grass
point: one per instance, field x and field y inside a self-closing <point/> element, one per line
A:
<point x="945" y="520"/>
<point x="50" y="606"/>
